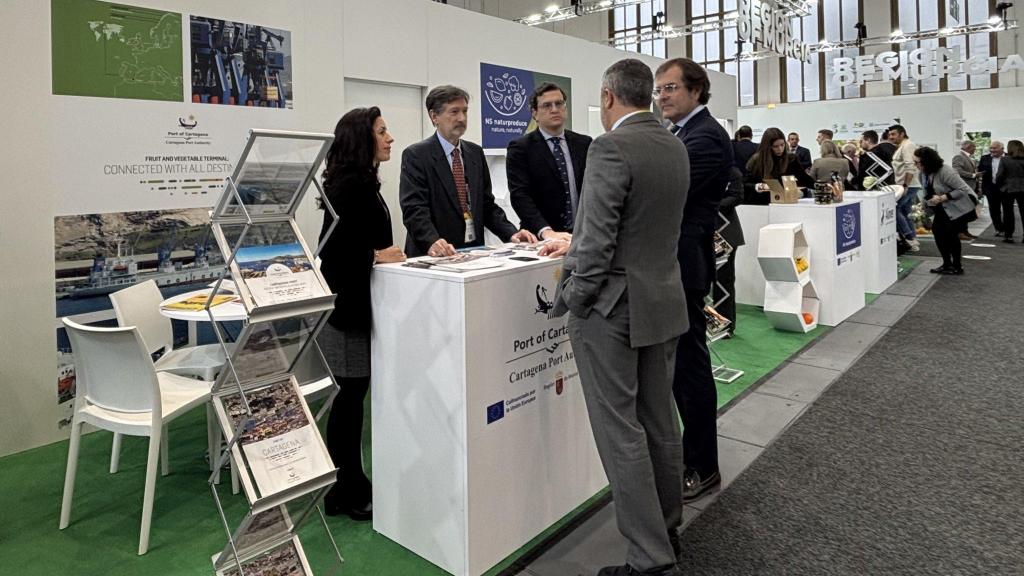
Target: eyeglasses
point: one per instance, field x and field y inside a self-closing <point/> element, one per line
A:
<point x="667" y="89"/>
<point x="555" y="105"/>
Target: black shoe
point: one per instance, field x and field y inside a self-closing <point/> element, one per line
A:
<point x="954" y="271"/>
<point x="1009" y="240"/>
<point x="694" y="487"/>
<point x="357" y="512"/>
<point x="627" y="570"/>
<point x="998" y="233"/>
<point x="940" y="270"/>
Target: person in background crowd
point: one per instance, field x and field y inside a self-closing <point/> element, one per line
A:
<point x="445" y="190"/>
<point x="803" y="155"/>
<point x="950" y="201"/>
<point x="883" y="150"/>
<point x="823" y="135"/>
<point x="772" y="161"/>
<point x="361" y="239"/>
<point x="743" y="148"/>
<point x="1010" y="180"/>
<point x="545" y="167"/>
<point x="905" y="172"/>
<point x="988" y="168"/>
<point x="967" y="169"/>
<point x="831" y="161"/>
<point x="853" y="164"/>
<point x="620" y="283"/>
<point x="683" y="90"/>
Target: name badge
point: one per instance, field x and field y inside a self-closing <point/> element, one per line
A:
<point x="470" y="227"/>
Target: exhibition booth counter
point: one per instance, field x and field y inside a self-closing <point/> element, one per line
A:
<point x="481" y="439"/>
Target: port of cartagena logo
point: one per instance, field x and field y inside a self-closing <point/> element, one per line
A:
<point x="188" y="124"/>
<point x="505" y="93"/>
<point x="543" y="304"/>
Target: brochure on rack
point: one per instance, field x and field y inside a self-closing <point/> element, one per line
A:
<point x="280" y="444"/>
<point x="288" y="559"/>
<point x="257" y="533"/>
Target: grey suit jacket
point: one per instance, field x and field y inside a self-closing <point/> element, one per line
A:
<point x="946" y="181"/>
<point x="966" y="169"/>
<point x="627" y="232"/>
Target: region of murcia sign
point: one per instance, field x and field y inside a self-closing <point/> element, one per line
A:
<point x="767" y="26"/>
<point x="917" y="64"/>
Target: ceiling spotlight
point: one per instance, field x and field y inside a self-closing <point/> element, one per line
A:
<point x="533" y="17"/>
<point x="897" y="32"/>
<point x="551" y="9"/>
<point x="994" y="20"/>
<point x="946" y="31"/>
<point x="605" y="3"/>
<point x="1002" y="7"/>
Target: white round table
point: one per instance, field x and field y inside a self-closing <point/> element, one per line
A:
<point x="226" y="312"/>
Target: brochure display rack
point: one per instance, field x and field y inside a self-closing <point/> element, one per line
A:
<point x="717" y="325"/>
<point x="790" y="299"/>
<point x="272" y="438"/>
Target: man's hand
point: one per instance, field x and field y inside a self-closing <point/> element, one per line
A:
<point x="524" y="236"/>
<point x="441" y="248"/>
<point x="389" y="255"/>
<point x="550" y="234"/>
<point x="761" y="187"/>
<point x="554" y="248"/>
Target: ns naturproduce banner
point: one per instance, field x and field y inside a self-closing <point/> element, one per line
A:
<point x="505" y="110"/>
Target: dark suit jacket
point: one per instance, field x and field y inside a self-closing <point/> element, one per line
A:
<point x="534" y="185"/>
<point x="710" y="152"/>
<point x="430" y="203"/>
<point x="987" y="185"/>
<point x="733" y="232"/>
<point x="364" y="225"/>
<point x="742" y="150"/>
<point x="627" y="232"/>
<point x="884" y="152"/>
<point x="803" y="156"/>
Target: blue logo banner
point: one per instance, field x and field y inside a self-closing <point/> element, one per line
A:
<point x="847" y="227"/>
<point x="505" y="110"/>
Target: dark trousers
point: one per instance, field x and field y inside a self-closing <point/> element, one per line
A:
<point x="1009" y="217"/>
<point x="947" y="237"/>
<point x="345" y="443"/>
<point x="694" y="389"/>
<point x="725" y="283"/>
<point x="995" y="209"/>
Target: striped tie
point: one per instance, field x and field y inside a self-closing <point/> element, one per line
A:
<point x="460" y="181"/>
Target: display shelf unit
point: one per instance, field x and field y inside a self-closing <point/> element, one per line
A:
<point x="720" y="371"/>
<point x="272" y="438"/>
<point x="789" y="294"/>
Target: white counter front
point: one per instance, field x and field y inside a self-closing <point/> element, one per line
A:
<point x="833" y="232"/>
<point x="878" y="224"/>
<point x="481" y="438"/>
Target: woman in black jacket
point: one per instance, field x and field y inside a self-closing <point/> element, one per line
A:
<point x="361" y="239"/>
<point x="771" y="162"/>
<point x="1010" y="180"/>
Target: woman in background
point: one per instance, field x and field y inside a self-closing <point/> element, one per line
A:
<point x="950" y="201"/>
<point x="831" y="161"/>
<point x="772" y="161"/>
<point x="1010" y="180"/>
<point x="361" y="239"/>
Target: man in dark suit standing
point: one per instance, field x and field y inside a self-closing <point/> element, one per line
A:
<point x="620" y="282"/>
<point x="743" y="148"/>
<point x="545" y="167"/>
<point x="883" y="150"/>
<point x="803" y="155"/>
<point x="684" y="90"/>
<point x="988" y="167"/>
<point x="445" y="190"/>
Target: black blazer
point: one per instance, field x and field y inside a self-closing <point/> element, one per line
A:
<point x="534" y="185"/>
<point x="364" y="225"/>
<point x="710" y="152"/>
<point x="987" y="185"/>
<point x="754" y="177"/>
<point x="430" y="203"/>
<point x="742" y="150"/>
<point x="733" y="232"/>
<point x="803" y="156"/>
<point x="884" y="152"/>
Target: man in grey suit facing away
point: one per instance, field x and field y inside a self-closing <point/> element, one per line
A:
<point x="621" y="285"/>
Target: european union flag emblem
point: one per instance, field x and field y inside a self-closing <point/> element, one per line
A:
<point x="495" y="412"/>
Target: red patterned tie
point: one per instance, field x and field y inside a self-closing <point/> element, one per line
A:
<point x="460" y="181"/>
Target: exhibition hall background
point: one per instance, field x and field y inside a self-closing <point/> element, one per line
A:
<point x="343" y="54"/>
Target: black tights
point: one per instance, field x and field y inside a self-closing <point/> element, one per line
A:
<point x="947" y="237"/>
<point x="345" y="442"/>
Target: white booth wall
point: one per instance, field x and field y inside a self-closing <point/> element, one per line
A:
<point x="402" y="46"/>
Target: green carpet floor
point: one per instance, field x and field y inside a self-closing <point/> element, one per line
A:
<point x="103" y="536"/>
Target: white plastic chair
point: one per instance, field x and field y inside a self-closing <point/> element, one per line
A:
<point x="139" y="306"/>
<point x="119" y="390"/>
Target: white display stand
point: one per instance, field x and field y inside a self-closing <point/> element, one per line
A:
<point x="789" y="292"/>
<point x="481" y="438"/>
<point x="878" y="226"/>
<point x="834" y="233"/>
<point x="749" y="279"/>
